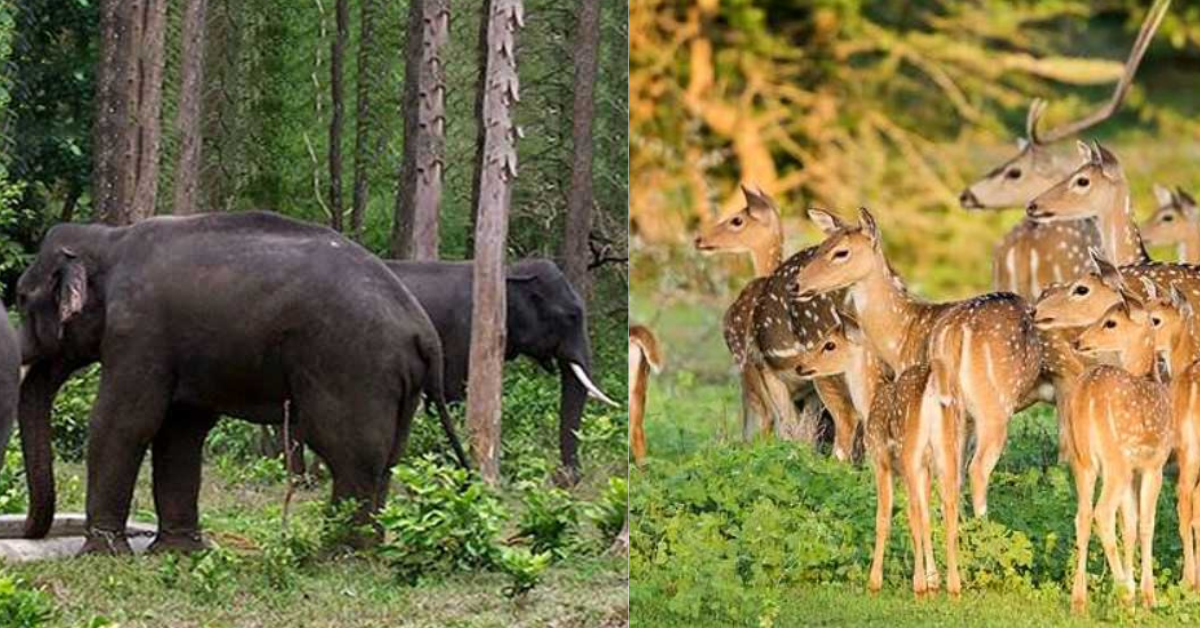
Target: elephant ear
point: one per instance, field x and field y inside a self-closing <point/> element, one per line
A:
<point x="72" y="288"/>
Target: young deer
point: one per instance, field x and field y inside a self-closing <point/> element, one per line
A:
<point x="907" y="429"/>
<point x="1176" y="221"/>
<point x="1121" y="427"/>
<point x="644" y="356"/>
<point x="986" y="348"/>
<point x="764" y="330"/>
<point x="1034" y="255"/>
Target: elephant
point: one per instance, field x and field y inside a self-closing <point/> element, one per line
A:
<point x="546" y="321"/>
<point x="248" y="314"/>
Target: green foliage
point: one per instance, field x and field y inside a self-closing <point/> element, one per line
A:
<point x="549" y="519"/>
<point x="523" y="568"/>
<point x="609" y="512"/>
<point x="71" y="414"/>
<point x="440" y="522"/>
<point x="22" y="606"/>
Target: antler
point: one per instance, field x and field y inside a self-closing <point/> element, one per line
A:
<point x="1153" y="19"/>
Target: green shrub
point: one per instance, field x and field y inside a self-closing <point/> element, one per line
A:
<point x="523" y="568"/>
<point x="22" y="606"/>
<point x="610" y="511"/>
<point x="72" y="412"/>
<point x="549" y="518"/>
<point x="439" y="522"/>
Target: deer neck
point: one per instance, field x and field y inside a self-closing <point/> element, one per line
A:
<point x="1182" y="351"/>
<point x="767" y="258"/>
<point x="1138" y="357"/>
<point x="1118" y="231"/>
<point x="865" y="376"/>
<point x="885" y="310"/>
<point x="1189" y="246"/>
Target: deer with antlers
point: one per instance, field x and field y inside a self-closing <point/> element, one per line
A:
<point x="908" y="429"/>
<point x="1175" y="222"/>
<point x="1121" y="428"/>
<point x="644" y="356"/>
<point x="1033" y="255"/>
<point x="764" y="330"/>
<point x="985" y="348"/>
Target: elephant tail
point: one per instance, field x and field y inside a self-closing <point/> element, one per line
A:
<point x="435" y="397"/>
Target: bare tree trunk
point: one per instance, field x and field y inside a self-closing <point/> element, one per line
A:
<point x="496" y="172"/>
<point x="419" y="198"/>
<point x="337" y="55"/>
<point x="578" y="227"/>
<point x="128" y="105"/>
<point x="362" y="117"/>
<point x="191" y="98"/>
<point x="480" y="133"/>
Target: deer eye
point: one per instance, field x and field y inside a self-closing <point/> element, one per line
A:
<point x="1080" y="291"/>
<point x="842" y="254"/>
<point x="830" y="346"/>
<point x="1110" y="324"/>
<point x="1082" y="182"/>
<point x="736" y="221"/>
<point x="1013" y="173"/>
<point x="1168" y="218"/>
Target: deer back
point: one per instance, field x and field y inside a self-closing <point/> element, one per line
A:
<point x="1035" y="255"/>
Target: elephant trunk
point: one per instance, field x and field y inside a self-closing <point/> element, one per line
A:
<point x="574" y="396"/>
<point x="38" y="389"/>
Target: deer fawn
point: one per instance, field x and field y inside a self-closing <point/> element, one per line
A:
<point x="907" y="428"/>
<point x="1034" y="255"/>
<point x="644" y="356"/>
<point x="985" y="348"/>
<point x="1176" y="221"/>
<point x="1121" y="427"/>
<point x="764" y="330"/>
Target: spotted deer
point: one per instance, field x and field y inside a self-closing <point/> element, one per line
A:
<point x="985" y="348"/>
<point x="1122" y="428"/>
<point x="1175" y="222"/>
<point x="907" y="430"/>
<point x="764" y="330"/>
<point x="1033" y="255"/>
<point x="644" y="356"/>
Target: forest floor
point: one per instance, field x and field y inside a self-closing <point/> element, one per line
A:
<point x="771" y="534"/>
<point x="342" y="591"/>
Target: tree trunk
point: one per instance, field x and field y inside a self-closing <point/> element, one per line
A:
<point x="337" y="55"/>
<point x="128" y="106"/>
<point x="418" y="200"/>
<point x="578" y="227"/>
<point x="191" y="98"/>
<point x="480" y="133"/>
<point x="362" y="118"/>
<point x="495" y="172"/>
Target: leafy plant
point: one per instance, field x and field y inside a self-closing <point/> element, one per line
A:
<point x="549" y="518"/>
<point x="72" y="412"/>
<point x="524" y="569"/>
<point x="22" y="606"/>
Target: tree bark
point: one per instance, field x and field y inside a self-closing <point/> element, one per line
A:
<point x="480" y="133"/>
<point x="496" y="171"/>
<point x="578" y="225"/>
<point x="362" y="118"/>
<point x="190" y="116"/>
<point x="337" y="55"/>
<point x="127" y="129"/>
<point x="418" y="200"/>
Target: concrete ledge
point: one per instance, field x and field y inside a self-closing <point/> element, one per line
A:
<point x="64" y="541"/>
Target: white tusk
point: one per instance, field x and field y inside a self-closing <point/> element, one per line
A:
<point x="581" y="375"/>
<point x="24" y="370"/>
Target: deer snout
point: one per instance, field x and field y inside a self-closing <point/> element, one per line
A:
<point x="1035" y="211"/>
<point x="796" y="290"/>
<point x="968" y="200"/>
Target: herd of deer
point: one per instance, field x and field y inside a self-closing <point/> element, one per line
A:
<point x="1080" y="310"/>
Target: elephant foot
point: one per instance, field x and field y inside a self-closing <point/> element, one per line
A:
<point x="177" y="542"/>
<point x="105" y="543"/>
<point x="566" y="477"/>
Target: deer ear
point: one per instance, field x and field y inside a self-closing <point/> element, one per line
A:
<point x="1036" y="108"/>
<point x="851" y="329"/>
<point x="1022" y="144"/>
<point x="1107" y="161"/>
<point x="1179" y="302"/>
<point x="828" y="223"/>
<point x="867" y="222"/>
<point x="1085" y="151"/>
<point x="1150" y="287"/>
<point x="1163" y="196"/>
<point x="1187" y="203"/>
<point x="1109" y="274"/>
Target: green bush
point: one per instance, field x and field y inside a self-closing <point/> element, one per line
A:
<point x="549" y="518"/>
<point x="72" y="412"/>
<point x="22" y="606"/>
<point x="439" y="522"/>
<point x="523" y="568"/>
<point x="609" y="512"/>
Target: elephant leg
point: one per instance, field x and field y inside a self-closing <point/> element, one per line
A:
<point x="570" y="415"/>
<point x="128" y="412"/>
<point x="177" y="453"/>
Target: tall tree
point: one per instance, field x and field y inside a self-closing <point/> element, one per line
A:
<point x="578" y="225"/>
<point x="336" y="59"/>
<point x="127" y="129"/>
<point x="485" y="12"/>
<point x="415" y="228"/>
<point x="189" y="115"/>
<point x="362" y="116"/>
<point x="496" y="170"/>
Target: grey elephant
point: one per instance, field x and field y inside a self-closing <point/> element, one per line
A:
<point x="546" y="322"/>
<point x="217" y="314"/>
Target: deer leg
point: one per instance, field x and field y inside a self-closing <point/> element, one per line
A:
<point x="992" y="432"/>
<point x="931" y="571"/>
<point x="1188" y="470"/>
<point x="835" y="396"/>
<point x="1151" y="485"/>
<point x="946" y="456"/>
<point x="1085" y="486"/>
<point x="754" y="408"/>
<point x="779" y="403"/>
<point x="1116" y="483"/>
<point x="912" y="486"/>
<point x="1195" y="536"/>
<point x="883" y="523"/>
<point x="1129" y="527"/>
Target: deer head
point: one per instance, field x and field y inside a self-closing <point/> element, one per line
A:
<point x="1083" y="301"/>
<point x="1125" y="330"/>
<point x="837" y="352"/>
<point x="1176" y="214"/>
<point x="754" y="229"/>
<point x="848" y="254"/>
<point x="1095" y="185"/>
